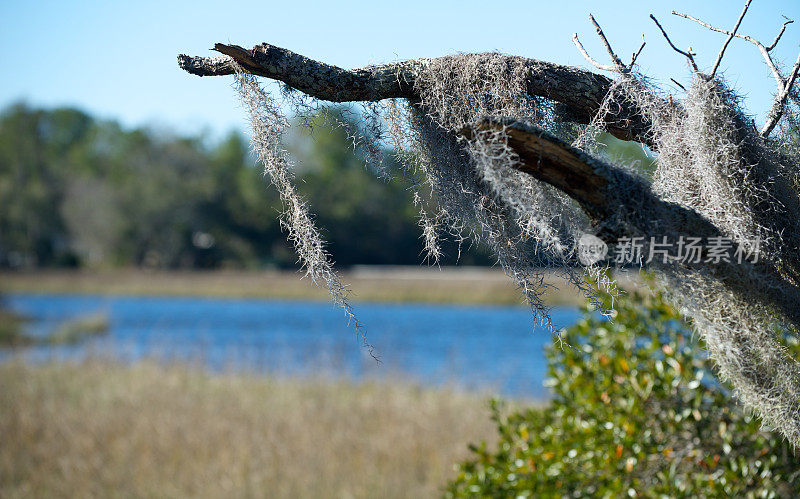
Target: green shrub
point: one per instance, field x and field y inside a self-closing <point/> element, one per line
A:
<point x="636" y="411"/>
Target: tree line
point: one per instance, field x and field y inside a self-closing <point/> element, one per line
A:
<point x="77" y="191"/>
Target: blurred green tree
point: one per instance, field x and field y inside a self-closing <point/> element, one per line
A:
<point x="79" y="191"/>
<point x="33" y="144"/>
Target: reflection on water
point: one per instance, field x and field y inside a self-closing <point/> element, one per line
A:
<point x="472" y="347"/>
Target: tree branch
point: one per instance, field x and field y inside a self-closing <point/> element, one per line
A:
<point x="551" y="160"/>
<point x="637" y="53"/>
<point x="784" y="84"/>
<point x="314" y="78"/>
<point x="578" y="92"/>
<point x="206" y="66"/>
<point x="607" y="194"/>
<point x="728" y="40"/>
<point x="750" y="39"/>
<point x="617" y="63"/>
<point x="780" y="34"/>
<point x="614" y="59"/>
<point x="585" y="54"/>
<point x="776" y="111"/>
<point x="689" y="55"/>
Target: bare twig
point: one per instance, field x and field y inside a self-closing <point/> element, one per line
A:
<point x="602" y="67"/>
<point x="728" y="40"/>
<point x="784" y="84"/>
<point x="689" y="55"/>
<point x="780" y="34"/>
<point x="617" y="62"/>
<point x="636" y="54"/>
<point x="676" y="82"/>
<point x="776" y="111"/>
<point x="750" y="39"/>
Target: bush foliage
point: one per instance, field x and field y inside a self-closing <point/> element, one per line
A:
<point x="636" y="411"/>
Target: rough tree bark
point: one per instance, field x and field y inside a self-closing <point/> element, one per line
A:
<point x="578" y="92"/>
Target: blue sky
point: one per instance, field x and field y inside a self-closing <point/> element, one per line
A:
<point x="117" y="60"/>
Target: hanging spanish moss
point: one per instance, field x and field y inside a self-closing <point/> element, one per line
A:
<point x="711" y="162"/>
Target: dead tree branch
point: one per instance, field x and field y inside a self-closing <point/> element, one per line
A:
<point x="780" y="34"/>
<point x="551" y="160"/>
<point x="616" y="61"/>
<point x="578" y="92"/>
<point x="311" y="77"/>
<point x="637" y="53"/>
<point x="784" y="84"/>
<point x="728" y="40"/>
<point x="595" y="186"/>
<point x="582" y="50"/>
<point x="776" y="111"/>
<point x="689" y="54"/>
<point x="764" y="50"/>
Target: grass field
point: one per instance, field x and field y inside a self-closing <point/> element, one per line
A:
<point x="382" y="284"/>
<point x="98" y="429"/>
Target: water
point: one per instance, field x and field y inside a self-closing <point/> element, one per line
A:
<point x="471" y="347"/>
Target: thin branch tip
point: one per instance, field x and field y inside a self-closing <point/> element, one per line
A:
<point x="636" y="54"/>
<point x="589" y="59"/>
<point x="689" y="55"/>
<point x="780" y="33"/>
<point x="728" y="40"/>
<point x="617" y="64"/>
<point x="614" y="59"/>
<point x="677" y="83"/>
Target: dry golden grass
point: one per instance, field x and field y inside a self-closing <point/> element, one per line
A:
<point x="98" y="429"/>
<point x="384" y="284"/>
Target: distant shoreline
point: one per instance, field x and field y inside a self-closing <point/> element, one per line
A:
<point x="455" y="285"/>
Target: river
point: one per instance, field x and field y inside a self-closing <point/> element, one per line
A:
<point x="493" y="348"/>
